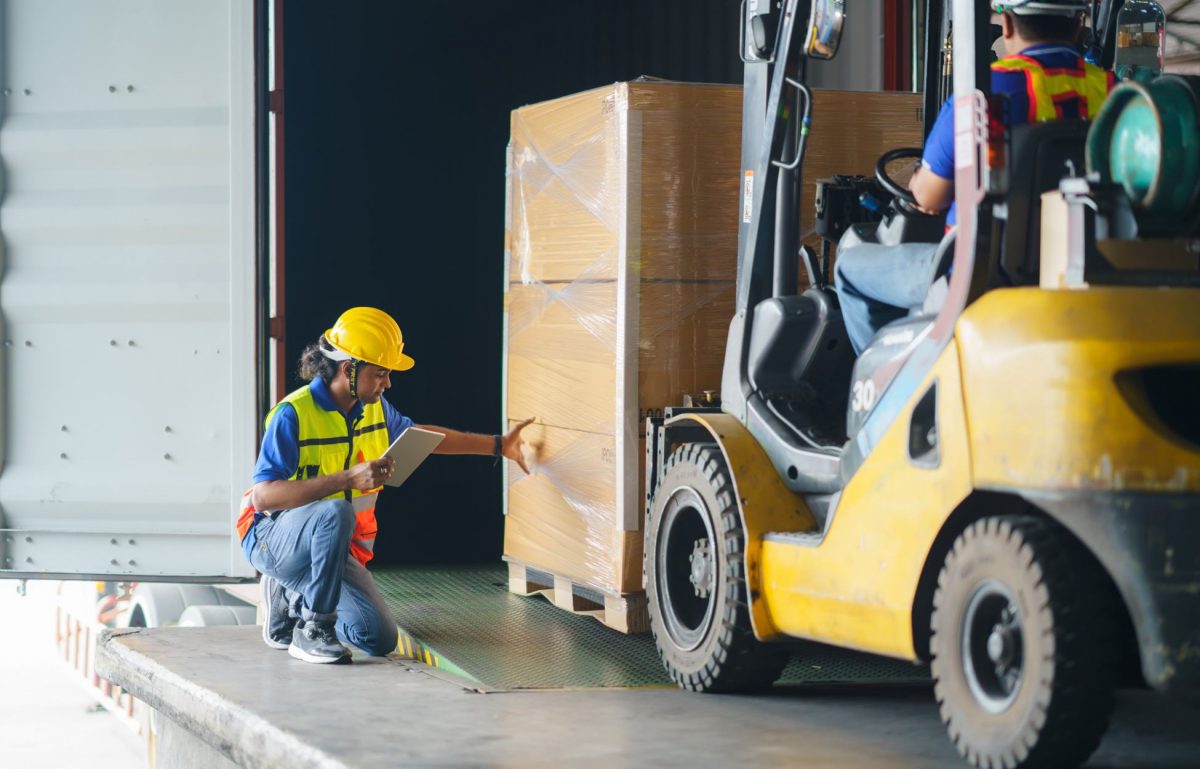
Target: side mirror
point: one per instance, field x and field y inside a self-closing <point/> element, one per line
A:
<point x="825" y="28"/>
<point x="758" y="28"/>
<point x="1141" y="37"/>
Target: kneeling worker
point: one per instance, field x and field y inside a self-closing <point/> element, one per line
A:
<point x="308" y="522"/>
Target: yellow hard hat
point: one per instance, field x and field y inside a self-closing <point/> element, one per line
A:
<point x="369" y="335"/>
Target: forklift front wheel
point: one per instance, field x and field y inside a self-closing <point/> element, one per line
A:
<point x="695" y="579"/>
<point x="1024" y="645"/>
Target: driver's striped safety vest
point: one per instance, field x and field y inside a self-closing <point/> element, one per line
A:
<point x="1057" y="93"/>
<point x="330" y="442"/>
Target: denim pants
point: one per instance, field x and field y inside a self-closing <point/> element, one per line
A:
<point x="307" y="550"/>
<point x="879" y="284"/>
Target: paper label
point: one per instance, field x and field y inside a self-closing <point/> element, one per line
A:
<point x="748" y="197"/>
<point x="964" y="133"/>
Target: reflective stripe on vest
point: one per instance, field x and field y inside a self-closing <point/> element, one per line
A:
<point x="245" y="516"/>
<point x="1049" y="89"/>
<point x="362" y="542"/>
<point x="329" y="444"/>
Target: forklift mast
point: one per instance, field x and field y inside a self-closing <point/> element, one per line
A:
<point x="775" y="117"/>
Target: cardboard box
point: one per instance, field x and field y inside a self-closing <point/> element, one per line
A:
<point x="560" y="518"/>
<point x="561" y="359"/>
<point x="621" y="245"/>
<point x="639" y="176"/>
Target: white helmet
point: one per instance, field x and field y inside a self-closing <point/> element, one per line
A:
<point x="1042" y="7"/>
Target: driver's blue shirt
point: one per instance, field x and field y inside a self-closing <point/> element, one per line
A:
<point x="939" y="147"/>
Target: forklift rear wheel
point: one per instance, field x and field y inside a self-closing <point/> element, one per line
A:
<point x="1024" y="645"/>
<point x="695" y="579"/>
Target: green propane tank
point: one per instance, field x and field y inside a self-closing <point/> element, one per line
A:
<point x="1147" y="140"/>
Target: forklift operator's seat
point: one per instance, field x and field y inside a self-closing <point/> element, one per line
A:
<point x="1041" y="157"/>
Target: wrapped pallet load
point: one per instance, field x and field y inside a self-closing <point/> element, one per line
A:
<point x="621" y="249"/>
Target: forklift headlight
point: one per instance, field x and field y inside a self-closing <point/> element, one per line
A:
<point x="1165" y="398"/>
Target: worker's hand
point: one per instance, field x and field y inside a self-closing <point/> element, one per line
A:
<point x="513" y="447"/>
<point x="370" y="475"/>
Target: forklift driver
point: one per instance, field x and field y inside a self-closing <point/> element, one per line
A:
<point x="308" y="522"/>
<point x="1044" y="78"/>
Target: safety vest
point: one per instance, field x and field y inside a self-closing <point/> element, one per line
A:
<point x="1062" y="92"/>
<point x="329" y="443"/>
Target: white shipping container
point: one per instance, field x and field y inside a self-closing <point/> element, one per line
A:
<point x="127" y="287"/>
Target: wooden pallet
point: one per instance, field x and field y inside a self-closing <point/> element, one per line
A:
<point x="626" y="612"/>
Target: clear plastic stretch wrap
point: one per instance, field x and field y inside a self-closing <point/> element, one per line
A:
<point x="621" y="249"/>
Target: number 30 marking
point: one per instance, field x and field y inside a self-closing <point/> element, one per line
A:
<point x="863" y="395"/>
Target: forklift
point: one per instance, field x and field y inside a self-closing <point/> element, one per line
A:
<point x="1005" y="484"/>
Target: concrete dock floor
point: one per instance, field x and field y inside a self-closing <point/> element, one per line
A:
<point x="261" y="708"/>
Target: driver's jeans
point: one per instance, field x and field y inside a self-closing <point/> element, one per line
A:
<point x="879" y="284"/>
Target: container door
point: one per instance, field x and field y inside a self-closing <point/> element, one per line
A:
<point x="127" y="287"/>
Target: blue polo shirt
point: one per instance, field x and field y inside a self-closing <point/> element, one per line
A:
<point x="939" y="147"/>
<point x="280" y="453"/>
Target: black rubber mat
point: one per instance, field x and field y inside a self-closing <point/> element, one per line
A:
<point x="463" y="620"/>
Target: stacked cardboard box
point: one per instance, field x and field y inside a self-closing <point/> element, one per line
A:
<point x="621" y="251"/>
<point x="623" y="211"/>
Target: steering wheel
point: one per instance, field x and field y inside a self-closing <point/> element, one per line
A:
<point x="904" y="196"/>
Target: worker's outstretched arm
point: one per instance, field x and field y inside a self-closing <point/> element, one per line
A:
<point x="284" y="495"/>
<point x="457" y="442"/>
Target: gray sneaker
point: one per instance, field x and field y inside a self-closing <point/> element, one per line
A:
<point x="278" y="624"/>
<point x="316" y="641"/>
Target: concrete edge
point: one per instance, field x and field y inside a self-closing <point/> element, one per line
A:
<point x="240" y="735"/>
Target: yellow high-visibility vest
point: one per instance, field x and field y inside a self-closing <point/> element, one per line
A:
<point x="330" y="443"/>
<point x="1050" y="88"/>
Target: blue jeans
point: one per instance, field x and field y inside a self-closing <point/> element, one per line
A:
<point x="879" y="284"/>
<point x="307" y="550"/>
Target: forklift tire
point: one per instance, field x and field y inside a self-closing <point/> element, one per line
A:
<point x="1024" y="645"/>
<point x="695" y="579"/>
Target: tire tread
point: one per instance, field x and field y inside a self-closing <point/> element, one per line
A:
<point x="738" y="661"/>
<point x="1082" y="646"/>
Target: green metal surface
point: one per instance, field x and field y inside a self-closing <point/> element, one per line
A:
<point x="1134" y="153"/>
<point x="464" y="621"/>
<point x="1145" y="140"/>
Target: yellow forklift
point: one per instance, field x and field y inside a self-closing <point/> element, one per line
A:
<point x="1006" y="483"/>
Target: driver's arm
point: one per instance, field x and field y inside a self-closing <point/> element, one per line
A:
<point x="933" y="193"/>
<point x="933" y="183"/>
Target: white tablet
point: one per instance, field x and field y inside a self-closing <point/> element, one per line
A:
<point x="409" y="450"/>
